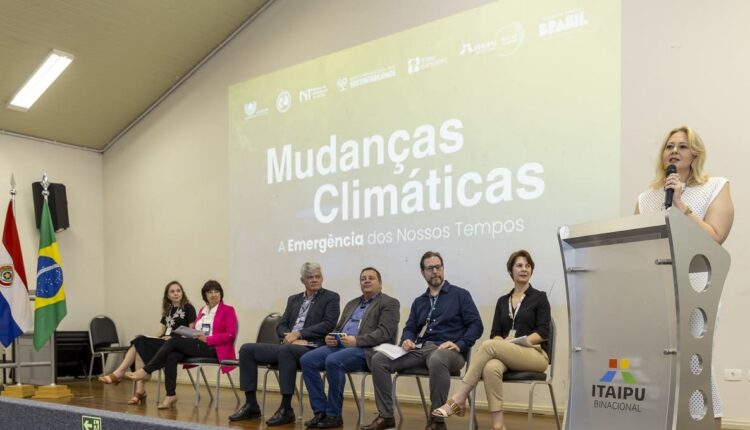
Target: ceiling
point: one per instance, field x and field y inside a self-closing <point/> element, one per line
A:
<point x="128" y="54"/>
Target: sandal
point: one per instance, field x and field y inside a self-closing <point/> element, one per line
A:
<point x="450" y="408"/>
<point x="168" y="403"/>
<point x="131" y="375"/>
<point x="109" y="379"/>
<point x="138" y="398"/>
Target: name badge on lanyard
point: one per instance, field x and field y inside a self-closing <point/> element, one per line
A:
<point x="512" y="314"/>
<point x="433" y="304"/>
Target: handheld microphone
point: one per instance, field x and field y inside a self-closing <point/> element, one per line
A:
<point x="669" y="193"/>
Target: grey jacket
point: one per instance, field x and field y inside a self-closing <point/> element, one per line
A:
<point x="379" y="323"/>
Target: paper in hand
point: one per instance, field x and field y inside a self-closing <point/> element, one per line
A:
<point x="523" y="341"/>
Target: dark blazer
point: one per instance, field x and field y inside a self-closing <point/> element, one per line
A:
<point x="379" y="323"/>
<point x="533" y="317"/>
<point x="321" y="317"/>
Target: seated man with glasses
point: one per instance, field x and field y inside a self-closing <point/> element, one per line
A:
<point x="443" y="325"/>
<point x="367" y="321"/>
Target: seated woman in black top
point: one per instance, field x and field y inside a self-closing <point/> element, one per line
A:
<point x="176" y="311"/>
<point x="517" y="342"/>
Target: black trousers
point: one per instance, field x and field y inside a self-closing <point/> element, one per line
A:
<point x="147" y="347"/>
<point x="172" y="353"/>
<point x="286" y="357"/>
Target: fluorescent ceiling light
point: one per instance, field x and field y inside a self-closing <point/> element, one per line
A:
<point x="43" y="77"/>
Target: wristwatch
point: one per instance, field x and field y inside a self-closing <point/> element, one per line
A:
<point x="688" y="211"/>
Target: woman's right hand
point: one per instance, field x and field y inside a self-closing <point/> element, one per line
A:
<point x="673" y="182"/>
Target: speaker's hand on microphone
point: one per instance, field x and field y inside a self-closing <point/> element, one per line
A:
<point x="673" y="182"/>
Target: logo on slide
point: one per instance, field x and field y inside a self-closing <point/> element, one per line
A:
<point x="250" y="109"/>
<point x="562" y="23"/>
<point x="621" y="366"/>
<point x="483" y="47"/>
<point x="313" y="93"/>
<point x="342" y="84"/>
<point x="283" y="101"/>
<point x="418" y="64"/>
<point x="510" y="38"/>
<point x="6" y="275"/>
<point x="412" y="65"/>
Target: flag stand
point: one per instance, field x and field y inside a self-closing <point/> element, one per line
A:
<point x="52" y="391"/>
<point x="17" y="390"/>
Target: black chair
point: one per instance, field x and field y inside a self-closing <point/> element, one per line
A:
<point x="532" y="379"/>
<point x="267" y="334"/>
<point x="418" y="373"/>
<point x="103" y="340"/>
<point x="359" y="399"/>
<point x="200" y="362"/>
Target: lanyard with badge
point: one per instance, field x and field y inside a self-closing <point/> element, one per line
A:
<point x="433" y="305"/>
<point x="169" y="320"/>
<point x="512" y="313"/>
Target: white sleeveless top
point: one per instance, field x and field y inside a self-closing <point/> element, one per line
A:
<point x="698" y="197"/>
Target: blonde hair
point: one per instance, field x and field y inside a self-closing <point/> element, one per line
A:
<point x="697" y="175"/>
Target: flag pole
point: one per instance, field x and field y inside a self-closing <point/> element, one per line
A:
<point x="19" y="390"/>
<point x="51" y="391"/>
<point x="13" y="192"/>
<point x="15" y="341"/>
<point x="53" y="368"/>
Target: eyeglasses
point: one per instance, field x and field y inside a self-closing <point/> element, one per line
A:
<point x="435" y="268"/>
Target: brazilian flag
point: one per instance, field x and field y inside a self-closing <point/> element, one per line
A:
<point x="49" y="306"/>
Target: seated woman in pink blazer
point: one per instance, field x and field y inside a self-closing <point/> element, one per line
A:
<point x="217" y="321"/>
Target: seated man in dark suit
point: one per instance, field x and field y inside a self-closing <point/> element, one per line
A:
<point x="308" y="317"/>
<point x="367" y="321"/>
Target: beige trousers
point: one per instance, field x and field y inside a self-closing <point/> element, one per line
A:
<point x="493" y="358"/>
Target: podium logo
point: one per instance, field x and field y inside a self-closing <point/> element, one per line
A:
<point x="621" y="366"/>
<point x="618" y="394"/>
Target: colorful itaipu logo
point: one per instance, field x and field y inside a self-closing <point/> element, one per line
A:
<point x="623" y="365"/>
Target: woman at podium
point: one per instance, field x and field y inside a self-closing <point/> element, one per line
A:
<point x="517" y="342"/>
<point x="704" y="199"/>
<point x="213" y="337"/>
<point x="176" y="311"/>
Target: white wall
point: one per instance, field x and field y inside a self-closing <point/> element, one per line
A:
<point x="686" y="63"/>
<point x="82" y="245"/>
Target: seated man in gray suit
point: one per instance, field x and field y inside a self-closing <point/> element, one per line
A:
<point x="367" y="321"/>
<point x="308" y="317"/>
